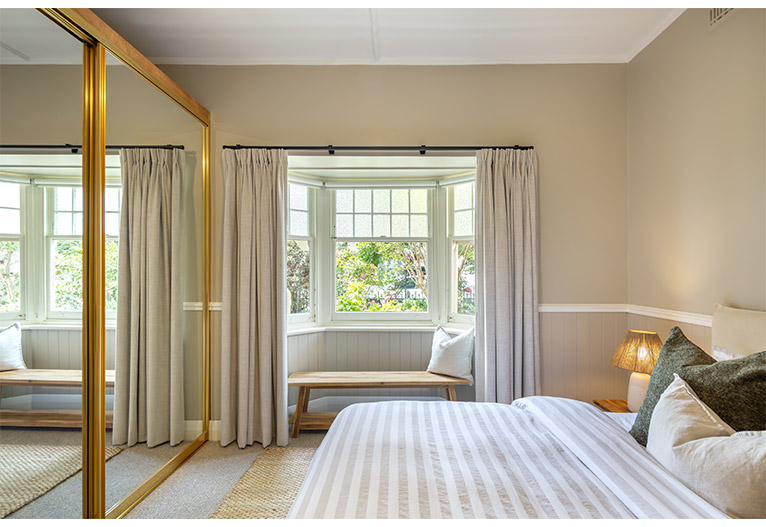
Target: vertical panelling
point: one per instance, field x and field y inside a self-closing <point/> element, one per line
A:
<point x="583" y="356"/>
<point x="598" y="364"/>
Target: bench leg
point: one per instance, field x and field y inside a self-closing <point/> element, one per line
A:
<point x="302" y="401"/>
<point x="451" y="393"/>
<point x="306" y="402"/>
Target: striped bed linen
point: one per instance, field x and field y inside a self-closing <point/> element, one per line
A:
<point x="541" y="457"/>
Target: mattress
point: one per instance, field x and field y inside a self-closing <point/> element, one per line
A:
<point x="541" y="457"/>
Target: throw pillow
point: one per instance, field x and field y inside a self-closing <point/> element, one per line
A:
<point x="694" y="444"/>
<point x="10" y="348"/>
<point x="452" y="356"/>
<point x="676" y="352"/>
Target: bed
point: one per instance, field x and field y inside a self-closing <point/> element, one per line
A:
<point x="541" y="457"/>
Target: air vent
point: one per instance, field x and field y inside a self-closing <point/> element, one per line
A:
<point x="717" y="16"/>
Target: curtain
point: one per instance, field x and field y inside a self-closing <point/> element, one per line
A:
<point x="254" y="339"/>
<point x="149" y="383"/>
<point x="507" y="327"/>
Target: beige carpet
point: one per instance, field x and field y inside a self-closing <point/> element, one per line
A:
<point x="270" y="485"/>
<point x="29" y="471"/>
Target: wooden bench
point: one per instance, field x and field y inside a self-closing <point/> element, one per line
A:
<point x="46" y="418"/>
<point x="306" y="381"/>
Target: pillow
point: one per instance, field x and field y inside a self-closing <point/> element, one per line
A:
<point x="452" y="356"/>
<point x="694" y="444"/>
<point x="735" y="389"/>
<point x="676" y="352"/>
<point x="737" y="332"/>
<point x="10" y="349"/>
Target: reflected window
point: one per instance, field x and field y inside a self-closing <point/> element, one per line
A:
<point x="10" y="250"/>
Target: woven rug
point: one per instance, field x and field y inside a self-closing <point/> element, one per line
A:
<point x="29" y="471"/>
<point x="270" y="485"/>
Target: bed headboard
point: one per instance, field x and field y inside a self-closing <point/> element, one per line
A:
<point x="737" y="332"/>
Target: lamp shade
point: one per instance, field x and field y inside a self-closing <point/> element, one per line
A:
<point x="638" y="351"/>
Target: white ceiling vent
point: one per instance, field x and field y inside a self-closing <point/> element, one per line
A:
<point x="717" y="16"/>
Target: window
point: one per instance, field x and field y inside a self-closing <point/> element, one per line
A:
<point x="462" y="198"/>
<point x="10" y="250"/>
<point x="299" y="245"/>
<point x="381" y="250"/>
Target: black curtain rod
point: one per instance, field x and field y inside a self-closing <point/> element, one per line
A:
<point x="75" y="148"/>
<point x="422" y="148"/>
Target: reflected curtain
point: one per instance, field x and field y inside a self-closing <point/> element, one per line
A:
<point x="254" y="340"/>
<point x="507" y="326"/>
<point x="149" y="383"/>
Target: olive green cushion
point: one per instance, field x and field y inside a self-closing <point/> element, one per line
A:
<point x="677" y="352"/>
<point x="734" y="389"/>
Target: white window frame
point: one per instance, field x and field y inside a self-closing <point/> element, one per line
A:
<point x="295" y="319"/>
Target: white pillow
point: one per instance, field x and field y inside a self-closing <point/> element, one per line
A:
<point x="10" y="348"/>
<point x="452" y="356"/>
<point x="725" y="467"/>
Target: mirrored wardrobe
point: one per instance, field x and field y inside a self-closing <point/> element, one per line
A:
<point x="103" y="269"/>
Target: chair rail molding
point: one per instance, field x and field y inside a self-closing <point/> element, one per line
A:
<point x="630" y="309"/>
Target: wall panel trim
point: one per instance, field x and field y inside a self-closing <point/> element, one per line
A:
<point x="667" y="314"/>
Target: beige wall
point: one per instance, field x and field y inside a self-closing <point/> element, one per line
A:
<point x="697" y="173"/>
<point x="575" y="115"/>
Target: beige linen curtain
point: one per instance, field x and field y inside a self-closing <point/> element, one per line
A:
<point x="149" y="383"/>
<point x="254" y="340"/>
<point x="507" y="328"/>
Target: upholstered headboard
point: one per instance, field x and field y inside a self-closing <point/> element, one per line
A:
<point x="737" y="332"/>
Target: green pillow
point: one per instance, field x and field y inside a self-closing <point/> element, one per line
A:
<point x="676" y="353"/>
<point x="734" y="389"/>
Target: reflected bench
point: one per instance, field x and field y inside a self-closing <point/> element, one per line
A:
<point x="47" y="418"/>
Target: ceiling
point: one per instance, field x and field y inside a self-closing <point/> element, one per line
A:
<point x="388" y="36"/>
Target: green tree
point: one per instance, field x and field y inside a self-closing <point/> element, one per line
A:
<point x="9" y="276"/>
<point x="466" y="266"/>
<point x="298" y="276"/>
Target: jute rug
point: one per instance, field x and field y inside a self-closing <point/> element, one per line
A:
<point x="270" y="485"/>
<point x="29" y="471"/>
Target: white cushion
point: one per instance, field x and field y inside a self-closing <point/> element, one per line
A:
<point x="725" y="467"/>
<point x="10" y="348"/>
<point x="737" y="332"/>
<point x="452" y="356"/>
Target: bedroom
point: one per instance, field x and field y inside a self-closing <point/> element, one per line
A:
<point x="637" y="230"/>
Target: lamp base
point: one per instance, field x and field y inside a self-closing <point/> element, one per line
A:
<point x="639" y="382"/>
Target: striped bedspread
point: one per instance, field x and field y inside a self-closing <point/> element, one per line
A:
<point x="542" y="457"/>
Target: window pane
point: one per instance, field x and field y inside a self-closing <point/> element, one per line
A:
<point x="10" y="195"/>
<point x="464" y="278"/>
<point x="381" y="225"/>
<point x="299" y="276"/>
<point x="111" y="266"/>
<point x="62" y="223"/>
<point x="381" y="200"/>
<point x="77" y="223"/>
<point x="464" y="196"/>
<point x="10" y="273"/>
<point x="67" y="275"/>
<point x="10" y="221"/>
<point x="400" y="200"/>
<point x="344" y="225"/>
<point x="344" y="201"/>
<point x="112" y="224"/>
<point x="419" y="200"/>
<point x="362" y="225"/>
<point x="362" y="200"/>
<point x="299" y="223"/>
<point x="419" y="226"/>
<point x="112" y="199"/>
<point x="381" y="276"/>
<point x="400" y="225"/>
<point x="63" y="199"/>
<point x="299" y="197"/>
<point x="77" y="198"/>
<point x="464" y="223"/>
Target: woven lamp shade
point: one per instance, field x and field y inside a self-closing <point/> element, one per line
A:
<point x="638" y="351"/>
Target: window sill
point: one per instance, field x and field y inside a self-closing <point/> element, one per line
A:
<point x="58" y="325"/>
<point x="452" y="329"/>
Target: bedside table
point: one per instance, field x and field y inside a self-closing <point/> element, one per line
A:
<point x="619" y="406"/>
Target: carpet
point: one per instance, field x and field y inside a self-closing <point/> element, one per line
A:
<point x="270" y="485"/>
<point x="29" y="471"/>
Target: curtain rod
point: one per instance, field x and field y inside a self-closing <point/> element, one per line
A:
<point x="422" y="148"/>
<point x="75" y="148"/>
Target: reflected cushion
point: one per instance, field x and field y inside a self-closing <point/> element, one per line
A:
<point x="10" y="348"/>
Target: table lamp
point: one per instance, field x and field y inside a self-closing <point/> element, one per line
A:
<point x="638" y="353"/>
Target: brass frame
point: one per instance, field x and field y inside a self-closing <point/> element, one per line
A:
<point x="97" y="38"/>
